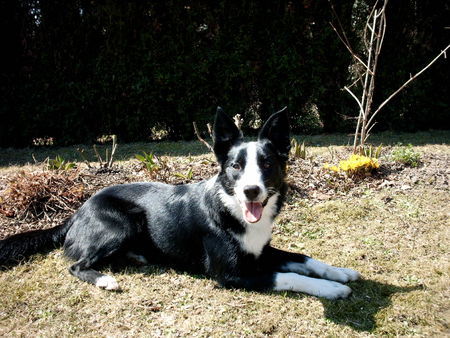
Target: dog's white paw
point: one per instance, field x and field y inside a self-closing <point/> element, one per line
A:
<point x="107" y="283"/>
<point x="342" y="275"/>
<point x="332" y="290"/>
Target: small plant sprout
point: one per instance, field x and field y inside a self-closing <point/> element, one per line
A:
<point x="186" y="176"/>
<point x="406" y="155"/>
<point x="149" y="160"/>
<point x="298" y="150"/>
<point x="371" y="151"/>
<point x="59" y="163"/>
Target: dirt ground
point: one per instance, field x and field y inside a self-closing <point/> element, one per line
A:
<point x="307" y="179"/>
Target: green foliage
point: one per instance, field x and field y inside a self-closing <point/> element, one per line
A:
<point x="298" y="150"/>
<point x="371" y="151"/>
<point x="149" y="160"/>
<point x="188" y="175"/>
<point x="406" y="155"/>
<point x="59" y="163"/>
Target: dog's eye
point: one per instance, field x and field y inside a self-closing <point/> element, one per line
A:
<point x="266" y="164"/>
<point x="236" y="166"/>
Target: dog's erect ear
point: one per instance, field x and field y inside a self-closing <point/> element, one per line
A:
<point x="225" y="134"/>
<point x="276" y="130"/>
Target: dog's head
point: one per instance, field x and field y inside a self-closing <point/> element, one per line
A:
<point x="252" y="173"/>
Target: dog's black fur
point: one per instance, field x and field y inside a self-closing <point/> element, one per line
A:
<point x="220" y="227"/>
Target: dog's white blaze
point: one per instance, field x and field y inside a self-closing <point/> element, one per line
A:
<point x="291" y="281"/>
<point x="107" y="283"/>
<point x="251" y="175"/>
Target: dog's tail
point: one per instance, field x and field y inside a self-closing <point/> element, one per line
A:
<point x="18" y="247"/>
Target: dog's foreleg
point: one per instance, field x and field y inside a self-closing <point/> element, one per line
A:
<point x="312" y="286"/>
<point x="312" y="267"/>
<point x="293" y="262"/>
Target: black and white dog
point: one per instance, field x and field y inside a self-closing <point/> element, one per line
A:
<point x="220" y="227"/>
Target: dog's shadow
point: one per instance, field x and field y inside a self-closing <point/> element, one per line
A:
<point x="360" y="310"/>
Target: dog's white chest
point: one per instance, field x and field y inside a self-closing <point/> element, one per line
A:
<point x="256" y="237"/>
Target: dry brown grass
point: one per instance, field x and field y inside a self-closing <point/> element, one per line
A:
<point x="31" y="195"/>
<point x="399" y="239"/>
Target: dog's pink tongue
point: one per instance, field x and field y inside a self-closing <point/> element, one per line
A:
<point x="253" y="211"/>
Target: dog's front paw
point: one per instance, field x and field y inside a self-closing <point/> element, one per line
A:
<point x="332" y="290"/>
<point x="342" y="275"/>
<point x="312" y="286"/>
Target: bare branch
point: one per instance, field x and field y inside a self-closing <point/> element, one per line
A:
<point x="113" y="150"/>
<point x="85" y="160"/>
<point x="340" y="23"/>
<point x="197" y="133"/>
<point x="443" y="52"/>
<point x="350" y="49"/>
<point x="356" y="99"/>
<point x="208" y="125"/>
<point x="98" y="155"/>
<point x="368" y="132"/>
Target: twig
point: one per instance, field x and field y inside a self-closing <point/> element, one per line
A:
<point x="34" y="159"/>
<point x="85" y="160"/>
<point x="98" y="155"/>
<point x="197" y="133"/>
<point x="407" y="82"/>
<point x="350" y="49"/>
<point x="113" y="150"/>
<point x="210" y="132"/>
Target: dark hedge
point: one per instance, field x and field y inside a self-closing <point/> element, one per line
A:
<point x="76" y="69"/>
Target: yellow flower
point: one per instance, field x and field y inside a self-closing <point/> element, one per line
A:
<point x="355" y="164"/>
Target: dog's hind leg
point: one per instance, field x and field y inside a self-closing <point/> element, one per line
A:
<point x="82" y="269"/>
<point x="103" y="231"/>
<point x="136" y="258"/>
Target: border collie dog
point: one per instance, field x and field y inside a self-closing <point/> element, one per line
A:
<point x="220" y="227"/>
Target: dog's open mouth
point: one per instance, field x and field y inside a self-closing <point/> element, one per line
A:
<point x="253" y="211"/>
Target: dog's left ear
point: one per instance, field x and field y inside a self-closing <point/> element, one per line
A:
<point x="276" y="130"/>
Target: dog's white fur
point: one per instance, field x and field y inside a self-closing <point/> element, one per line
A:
<point x="291" y="281"/>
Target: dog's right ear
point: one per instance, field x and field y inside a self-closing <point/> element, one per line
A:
<point x="225" y="135"/>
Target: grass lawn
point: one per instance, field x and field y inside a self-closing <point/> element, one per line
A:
<point x="396" y="236"/>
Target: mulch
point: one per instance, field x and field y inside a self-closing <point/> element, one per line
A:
<point x="58" y="193"/>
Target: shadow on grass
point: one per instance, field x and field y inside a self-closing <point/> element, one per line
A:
<point x="386" y="138"/>
<point x="368" y="299"/>
<point x="127" y="151"/>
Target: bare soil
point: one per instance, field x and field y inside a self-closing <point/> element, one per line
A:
<point x="306" y="177"/>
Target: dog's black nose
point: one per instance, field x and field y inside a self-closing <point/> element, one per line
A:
<point x="251" y="192"/>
